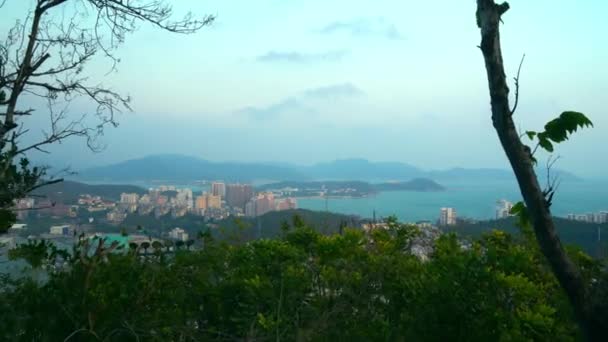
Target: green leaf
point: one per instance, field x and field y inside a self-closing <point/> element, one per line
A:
<point x="531" y="134"/>
<point x="544" y="142"/>
<point x="519" y="209"/>
<point x="2" y="95"/>
<point x="567" y="123"/>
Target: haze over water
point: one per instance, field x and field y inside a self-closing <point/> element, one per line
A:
<point x="469" y="199"/>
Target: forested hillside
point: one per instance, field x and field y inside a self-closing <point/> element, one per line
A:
<point x="302" y="286"/>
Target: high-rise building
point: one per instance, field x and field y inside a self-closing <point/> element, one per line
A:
<point x="286" y="204"/>
<point x="447" y="217"/>
<point x="264" y="203"/>
<point x="237" y="195"/>
<point x="213" y="201"/>
<point x="184" y="198"/>
<point x="218" y="189"/>
<point x="250" y="208"/>
<point x="602" y="217"/>
<point x="503" y="209"/>
<point x="129" y="198"/>
<point x="145" y="199"/>
<point x="201" y="202"/>
<point x="208" y="201"/>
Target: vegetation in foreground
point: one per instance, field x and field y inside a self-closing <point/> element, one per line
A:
<point x="301" y="286"/>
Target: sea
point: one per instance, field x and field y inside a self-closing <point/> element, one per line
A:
<point x="476" y="200"/>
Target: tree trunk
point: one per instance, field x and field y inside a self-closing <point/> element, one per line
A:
<point x="567" y="273"/>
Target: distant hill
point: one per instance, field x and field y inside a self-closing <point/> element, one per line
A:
<point x="416" y="184"/>
<point x="359" y="188"/>
<point x="69" y="191"/>
<point x="484" y="174"/>
<point x="360" y="169"/>
<point x="174" y="167"/>
<point x="184" y="168"/>
<point x="312" y="188"/>
<point x="466" y="174"/>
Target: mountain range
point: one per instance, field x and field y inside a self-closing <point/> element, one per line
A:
<point x="174" y="167"/>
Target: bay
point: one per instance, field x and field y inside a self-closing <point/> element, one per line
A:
<point x="470" y="199"/>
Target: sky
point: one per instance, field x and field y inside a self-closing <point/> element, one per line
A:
<point x="310" y="81"/>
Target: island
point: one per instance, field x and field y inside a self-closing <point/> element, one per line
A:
<point x="348" y="188"/>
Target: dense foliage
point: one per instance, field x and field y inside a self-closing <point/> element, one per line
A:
<point x="17" y="178"/>
<point x="582" y="234"/>
<point x="301" y="286"/>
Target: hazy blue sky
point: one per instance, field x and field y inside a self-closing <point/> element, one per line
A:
<point x="305" y="81"/>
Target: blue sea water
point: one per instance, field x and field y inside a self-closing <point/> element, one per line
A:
<point x="474" y="200"/>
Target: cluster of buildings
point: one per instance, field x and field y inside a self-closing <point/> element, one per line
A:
<point x="221" y="201"/>
<point x="599" y="217"/>
<point x="157" y="201"/>
<point x="34" y="206"/>
<point x="266" y="202"/>
<point x="448" y="217"/>
<point x="95" y="203"/>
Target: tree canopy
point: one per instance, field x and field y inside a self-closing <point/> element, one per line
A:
<point x="301" y="286"/>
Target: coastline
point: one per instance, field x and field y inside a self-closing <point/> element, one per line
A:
<point x="367" y="195"/>
<point x="335" y="197"/>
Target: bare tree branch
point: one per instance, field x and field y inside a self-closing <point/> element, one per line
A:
<point x="45" y="56"/>
<point x="70" y="43"/>
<point x="516" y="78"/>
<point x="552" y="182"/>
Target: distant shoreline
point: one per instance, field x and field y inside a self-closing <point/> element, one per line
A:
<point x="333" y="197"/>
<point x="368" y="195"/>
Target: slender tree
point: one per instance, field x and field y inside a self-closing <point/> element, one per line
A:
<point x="521" y="157"/>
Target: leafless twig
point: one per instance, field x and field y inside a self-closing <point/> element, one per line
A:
<point x="552" y="182"/>
<point x="517" y="84"/>
<point x="45" y="55"/>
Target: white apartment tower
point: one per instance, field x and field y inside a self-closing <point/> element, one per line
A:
<point x="447" y="217"/>
<point x="503" y="209"/>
